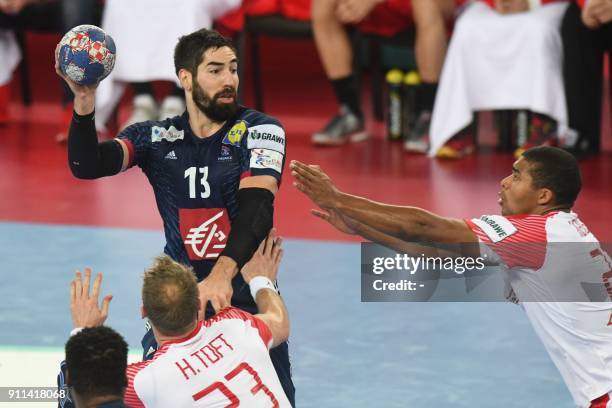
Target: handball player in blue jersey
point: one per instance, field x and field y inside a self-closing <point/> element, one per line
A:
<point x="214" y="172"/>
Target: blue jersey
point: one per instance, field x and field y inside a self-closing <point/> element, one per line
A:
<point x="195" y="181"/>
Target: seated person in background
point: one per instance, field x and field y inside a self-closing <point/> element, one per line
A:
<point x="60" y="15"/>
<point x="504" y="54"/>
<point x="96" y="360"/>
<point x="384" y="17"/>
<point x="215" y="362"/>
<point x="144" y="50"/>
<point x="587" y="33"/>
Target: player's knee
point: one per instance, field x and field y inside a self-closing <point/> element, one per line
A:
<point x="427" y="14"/>
<point x="323" y="11"/>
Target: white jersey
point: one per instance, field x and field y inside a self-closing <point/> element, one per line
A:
<point x="224" y="362"/>
<point x="547" y="259"/>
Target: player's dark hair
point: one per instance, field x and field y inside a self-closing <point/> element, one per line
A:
<point x="189" y="52"/>
<point x="556" y="170"/>
<point x="96" y="359"/>
<point x="170" y="296"/>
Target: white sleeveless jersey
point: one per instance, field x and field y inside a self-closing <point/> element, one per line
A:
<point x="224" y="362"/>
<point x="554" y="265"/>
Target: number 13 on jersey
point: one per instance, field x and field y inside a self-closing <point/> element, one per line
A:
<point x="192" y="174"/>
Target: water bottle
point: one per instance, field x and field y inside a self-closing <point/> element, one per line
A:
<point x="521" y="127"/>
<point x="410" y="103"/>
<point x="394" y="118"/>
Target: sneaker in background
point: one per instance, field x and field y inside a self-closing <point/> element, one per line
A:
<point x="460" y="145"/>
<point x="171" y="106"/>
<point x="418" y="139"/>
<point x="342" y="128"/>
<point x="144" y="109"/>
<point x="542" y="132"/>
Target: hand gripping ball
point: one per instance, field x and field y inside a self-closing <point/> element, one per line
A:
<point x="86" y="54"/>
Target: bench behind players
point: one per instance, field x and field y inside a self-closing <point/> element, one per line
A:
<point x="223" y="361"/>
<point x="218" y="163"/>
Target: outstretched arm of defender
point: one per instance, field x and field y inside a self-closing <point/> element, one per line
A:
<point x="405" y="223"/>
<point x="260" y="273"/>
<point x="350" y="226"/>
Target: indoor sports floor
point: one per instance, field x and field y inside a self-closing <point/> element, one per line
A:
<point x="344" y="353"/>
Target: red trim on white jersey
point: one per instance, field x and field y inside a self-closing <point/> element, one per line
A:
<point x="131" y="398"/>
<point x="526" y="247"/>
<point x="602" y="402"/>
<point x="234" y="313"/>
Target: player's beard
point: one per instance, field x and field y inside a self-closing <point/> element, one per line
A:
<point x="215" y="111"/>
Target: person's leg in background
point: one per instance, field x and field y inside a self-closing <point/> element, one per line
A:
<point x="582" y="72"/>
<point x="74" y="13"/>
<point x="431" y="41"/>
<point x="173" y="104"/>
<point x="335" y="51"/>
<point x="145" y="107"/>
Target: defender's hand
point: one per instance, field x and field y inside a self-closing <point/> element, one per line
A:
<point x="84" y="307"/>
<point x="317" y="185"/>
<point x="216" y="289"/>
<point x="265" y="260"/>
<point x="338" y="221"/>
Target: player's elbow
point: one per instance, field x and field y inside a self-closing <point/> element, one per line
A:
<point x="82" y="172"/>
<point x="281" y="331"/>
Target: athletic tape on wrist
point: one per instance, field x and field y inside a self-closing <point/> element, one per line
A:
<point x="261" y="282"/>
<point x="75" y="331"/>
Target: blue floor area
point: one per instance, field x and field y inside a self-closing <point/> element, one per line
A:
<point x="345" y="353"/>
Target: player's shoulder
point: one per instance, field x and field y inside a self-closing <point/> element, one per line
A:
<point x="262" y="131"/>
<point x="251" y="322"/>
<point x="511" y="228"/>
<point x="169" y="129"/>
<point x="255" y="118"/>
<point x="229" y="314"/>
<point x="568" y="227"/>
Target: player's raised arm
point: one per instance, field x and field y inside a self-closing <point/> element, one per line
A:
<point x="405" y="223"/>
<point x="87" y="158"/>
<point x="260" y="273"/>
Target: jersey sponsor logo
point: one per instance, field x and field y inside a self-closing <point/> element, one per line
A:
<point x="171" y="155"/>
<point x="270" y="137"/>
<point x="204" y="232"/>
<point x="234" y="136"/>
<point x="171" y="134"/>
<point x="496" y="227"/>
<point x="266" y="159"/>
<point x="225" y="154"/>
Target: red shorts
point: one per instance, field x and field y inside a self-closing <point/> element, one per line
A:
<point x="388" y="18"/>
<point x="602" y="402"/>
